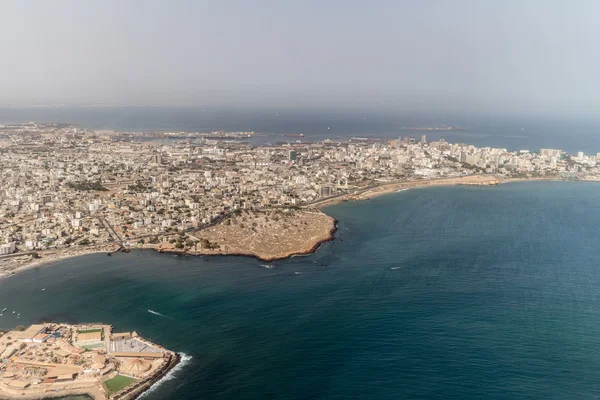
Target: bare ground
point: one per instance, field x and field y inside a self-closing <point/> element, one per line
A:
<point x="268" y="235"/>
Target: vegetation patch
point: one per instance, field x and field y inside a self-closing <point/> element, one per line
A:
<point x="118" y="383"/>
<point x="90" y="331"/>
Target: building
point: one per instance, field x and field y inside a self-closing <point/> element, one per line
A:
<point x="423" y="138"/>
<point x="28" y="335"/>
<point x="292" y="155"/>
<point x="89" y="337"/>
<point x="325" y="191"/>
<point x="7" y="248"/>
<point x="550" y="152"/>
<point x="157" y="159"/>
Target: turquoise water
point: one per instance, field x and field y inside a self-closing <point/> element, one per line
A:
<point x="437" y="293"/>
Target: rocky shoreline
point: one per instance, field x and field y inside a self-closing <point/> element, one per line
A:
<point x="135" y="391"/>
<point x="306" y="251"/>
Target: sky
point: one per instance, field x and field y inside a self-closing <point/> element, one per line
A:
<point x="526" y="56"/>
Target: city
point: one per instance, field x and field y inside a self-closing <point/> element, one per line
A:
<point x="67" y="190"/>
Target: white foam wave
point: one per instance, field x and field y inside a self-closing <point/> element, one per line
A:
<point x="185" y="359"/>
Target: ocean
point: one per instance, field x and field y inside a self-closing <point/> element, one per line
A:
<point x="510" y="132"/>
<point x="431" y="293"/>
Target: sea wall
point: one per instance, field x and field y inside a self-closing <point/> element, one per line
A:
<point x="134" y="391"/>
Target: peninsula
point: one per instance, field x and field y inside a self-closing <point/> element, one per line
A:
<point x="68" y="190"/>
<point x="56" y="360"/>
<point x="268" y="235"/>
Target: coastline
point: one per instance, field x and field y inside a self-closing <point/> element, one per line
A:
<point x="388" y="188"/>
<point x="44" y="262"/>
<point x="94" y="386"/>
<point x="300" y="252"/>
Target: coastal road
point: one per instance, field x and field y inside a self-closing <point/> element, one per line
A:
<point x="360" y="191"/>
<point x="110" y="230"/>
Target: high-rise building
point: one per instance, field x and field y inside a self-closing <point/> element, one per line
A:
<point x="325" y="191"/>
<point x="550" y="152"/>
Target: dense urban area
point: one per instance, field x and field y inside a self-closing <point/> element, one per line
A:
<point x="66" y="190"/>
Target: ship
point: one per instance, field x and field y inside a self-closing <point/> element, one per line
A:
<point x="293" y="134"/>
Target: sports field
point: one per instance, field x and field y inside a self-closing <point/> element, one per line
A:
<point x="118" y="383"/>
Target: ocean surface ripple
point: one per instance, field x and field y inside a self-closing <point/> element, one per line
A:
<point x="436" y="293"/>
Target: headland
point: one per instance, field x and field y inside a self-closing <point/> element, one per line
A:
<point x="267" y="235"/>
<point x="55" y="360"/>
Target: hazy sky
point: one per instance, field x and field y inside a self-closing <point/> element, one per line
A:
<point x="505" y="56"/>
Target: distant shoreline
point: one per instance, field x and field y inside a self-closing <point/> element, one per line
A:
<point x="468" y="180"/>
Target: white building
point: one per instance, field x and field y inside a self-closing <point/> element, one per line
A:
<point x="7" y="248"/>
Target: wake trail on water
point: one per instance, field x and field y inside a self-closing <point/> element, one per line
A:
<point x="157" y="313"/>
<point x="185" y="359"/>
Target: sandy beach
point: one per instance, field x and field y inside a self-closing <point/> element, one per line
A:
<point x="50" y="257"/>
<point x="393" y="187"/>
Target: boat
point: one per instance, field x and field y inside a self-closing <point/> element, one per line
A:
<point x="18" y="315"/>
<point x="1" y="315"/>
<point x="5" y="309"/>
<point x="43" y="290"/>
<point x="109" y="254"/>
<point x="14" y="312"/>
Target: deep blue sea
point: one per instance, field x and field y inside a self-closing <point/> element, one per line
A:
<point x="432" y="293"/>
<point x="511" y="132"/>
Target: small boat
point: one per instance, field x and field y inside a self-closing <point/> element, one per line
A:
<point x="14" y="312"/>
<point x="5" y="309"/>
<point x="43" y="290"/>
<point x="109" y="254"/>
<point x="1" y="315"/>
<point x="18" y="315"/>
